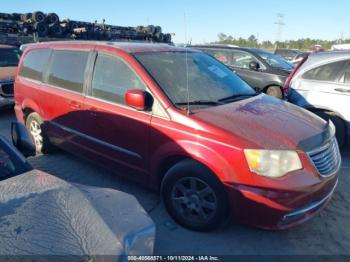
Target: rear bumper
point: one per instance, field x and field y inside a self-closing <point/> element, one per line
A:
<point x="277" y="210"/>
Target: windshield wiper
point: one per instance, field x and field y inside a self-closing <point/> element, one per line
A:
<point x="236" y="97"/>
<point x="199" y="102"/>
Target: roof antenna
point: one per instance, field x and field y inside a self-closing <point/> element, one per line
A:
<point x="187" y="80"/>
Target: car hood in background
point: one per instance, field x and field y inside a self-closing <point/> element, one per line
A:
<point x="7" y="73"/>
<point x="265" y="122"/>
<point x="41" y="215"/>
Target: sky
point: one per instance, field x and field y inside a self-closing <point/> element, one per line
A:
<point x="200" y="21"/>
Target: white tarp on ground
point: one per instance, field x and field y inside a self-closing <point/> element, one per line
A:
<point x="41" y="214"/>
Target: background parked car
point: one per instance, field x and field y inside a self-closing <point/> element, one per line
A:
<point x="44" y="215"/>
<point x="288" y="54"/>
<point x="262" y="70"/>
<point x="322" y="85"/>
<point x="9" y="57"/>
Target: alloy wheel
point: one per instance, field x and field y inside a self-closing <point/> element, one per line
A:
<point x="36" y="133"/>
<point x="194" y="199"/>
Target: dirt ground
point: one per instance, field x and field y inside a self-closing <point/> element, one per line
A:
<point x="328" y="233"/>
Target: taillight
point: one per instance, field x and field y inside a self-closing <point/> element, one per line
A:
<point x="289" y="79"/>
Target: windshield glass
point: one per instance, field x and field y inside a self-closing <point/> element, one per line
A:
<point x="9" y="57"/>
<point x="275" y="61"/>
<point x="206" y="78"/>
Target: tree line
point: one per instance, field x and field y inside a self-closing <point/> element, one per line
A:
<point x="301" y="44"/>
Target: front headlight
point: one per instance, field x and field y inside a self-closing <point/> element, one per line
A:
<point x="272" y="163"/>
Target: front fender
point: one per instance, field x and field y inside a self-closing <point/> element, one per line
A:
<point x="205" y="155"/>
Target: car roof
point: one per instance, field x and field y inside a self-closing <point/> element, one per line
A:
<point x="248" y="49"/>
<point x="129" y="47"/>
<point x="329" y="55"/>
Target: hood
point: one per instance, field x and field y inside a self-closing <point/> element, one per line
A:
<point x="265" y="122"/>
<point x="7" y="73"/>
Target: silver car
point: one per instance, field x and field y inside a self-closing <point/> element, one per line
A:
<point x="321" y="84"/>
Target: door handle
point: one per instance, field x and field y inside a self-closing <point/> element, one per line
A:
<point x="74" y="105"/>
<point x="343" y="90"/>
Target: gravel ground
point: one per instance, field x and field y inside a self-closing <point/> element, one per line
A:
<point x="328" y="233"/>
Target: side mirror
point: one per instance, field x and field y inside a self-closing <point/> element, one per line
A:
<point x="139" y="99"/>
<point x="22" y="140"/>
<point x="254" y="66"/>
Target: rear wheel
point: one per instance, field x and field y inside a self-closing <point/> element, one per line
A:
<point x="34" y="125"/>
<point x="194" y="197"/>
<point x="275" y="91"/>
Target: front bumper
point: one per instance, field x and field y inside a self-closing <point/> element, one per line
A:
<point x="278" y="209"/>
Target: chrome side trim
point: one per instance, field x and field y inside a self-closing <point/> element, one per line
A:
<point x="311" y="206"/>
<point x="98" y="141"/>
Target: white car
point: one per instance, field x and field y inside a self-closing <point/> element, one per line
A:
<point x="321" y="84"/>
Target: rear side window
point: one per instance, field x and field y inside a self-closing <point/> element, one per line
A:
<point x="222" y="55"/>
<point x="329" y="72"/>
<point x="68" y="69"/>
<point x="34" y="63"/>
<point x="112" y="78"/>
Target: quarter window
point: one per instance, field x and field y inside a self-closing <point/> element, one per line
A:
<point x="68" y="69"/>
<point x="34" y="63"/>
<point x="329" y="72"/>
<point x="345" y="76"/>
<point x="112" y="78"/>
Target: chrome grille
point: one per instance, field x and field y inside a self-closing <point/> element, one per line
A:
<point x="327" y="158"/>
<point x="6" y="89"/>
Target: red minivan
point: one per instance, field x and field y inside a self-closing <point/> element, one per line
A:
<point x="178" y="120"/>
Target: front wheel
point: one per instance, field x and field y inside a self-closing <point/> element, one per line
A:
<point x="275" y="91"/>
<point x="194" y="197"/>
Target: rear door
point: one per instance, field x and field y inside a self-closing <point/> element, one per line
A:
<point x="62" y="96"/>
<point x="117" y="133"/>
<point x="327" y="86"/>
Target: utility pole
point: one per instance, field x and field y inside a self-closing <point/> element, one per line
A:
<point x="280" y="24"/>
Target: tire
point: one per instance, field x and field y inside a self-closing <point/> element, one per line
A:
<point x="55" y="30"/>
<point x="339" y="124"/>
<point x="42" y="29"/>
<point x="194" y="197"/>
<point x="38" y="17"/>
<point x="34" y="125"/>
<point x="275" y="91"/>
<point x="53" y="18"/>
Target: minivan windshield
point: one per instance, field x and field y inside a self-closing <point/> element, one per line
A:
<point x="276" y="61"/>
<point x="9" y="57"/>
<point x="209" y="82"/>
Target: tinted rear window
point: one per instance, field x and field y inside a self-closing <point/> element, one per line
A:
<point x="68" y="69"/>
<point x="34" y="63"/>
<point x="329" y="72"/>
